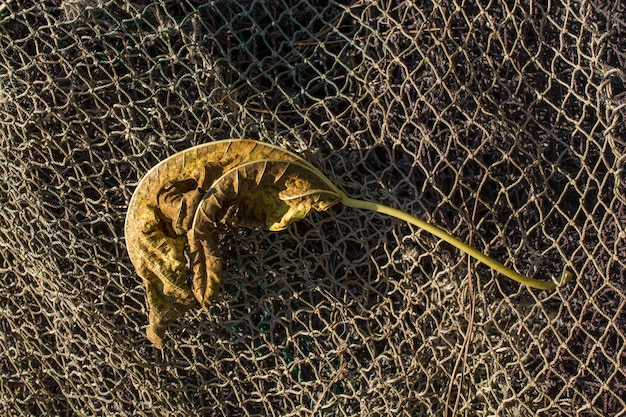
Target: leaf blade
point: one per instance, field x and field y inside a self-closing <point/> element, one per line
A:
<point x="159" y="217"/>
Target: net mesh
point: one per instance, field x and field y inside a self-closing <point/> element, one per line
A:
<point x="501" y="122"/>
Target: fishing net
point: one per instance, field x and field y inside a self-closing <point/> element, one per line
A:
<point x="501" y="122"/>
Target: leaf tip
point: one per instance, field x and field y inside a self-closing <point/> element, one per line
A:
<point x="154" y="337"/>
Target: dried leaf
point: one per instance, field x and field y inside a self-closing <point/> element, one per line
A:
<point x="186" y="199"/>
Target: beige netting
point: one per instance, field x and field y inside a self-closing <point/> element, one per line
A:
<point x="502" y="122"/>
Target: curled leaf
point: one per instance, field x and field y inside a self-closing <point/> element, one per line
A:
<point x="184" y="201"/>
